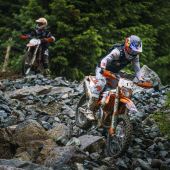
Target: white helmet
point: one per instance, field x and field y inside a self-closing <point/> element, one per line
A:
<point x="41" y="23"/>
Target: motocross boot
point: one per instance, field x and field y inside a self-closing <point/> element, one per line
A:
<point x="46" y="72"/>
<point x="93" y="103"/>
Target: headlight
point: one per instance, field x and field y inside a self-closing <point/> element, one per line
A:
<point x="126" y="92"/>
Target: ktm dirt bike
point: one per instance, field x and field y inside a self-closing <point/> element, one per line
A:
<point x="32" y="60"/>
<point x="113" y="116"/>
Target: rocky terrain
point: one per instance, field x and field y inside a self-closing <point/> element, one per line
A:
<point x="38" y="131"/>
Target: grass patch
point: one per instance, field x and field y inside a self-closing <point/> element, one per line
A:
<point x="163" y="118"/>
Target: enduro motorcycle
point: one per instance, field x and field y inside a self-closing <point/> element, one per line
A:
<point x="33" y="57"/>
<point x="113" y="116"/>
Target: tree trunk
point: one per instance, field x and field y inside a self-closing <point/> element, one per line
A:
<point x="6" y="60"/>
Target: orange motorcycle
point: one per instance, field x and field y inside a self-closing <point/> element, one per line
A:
<point x="113" y="115"/>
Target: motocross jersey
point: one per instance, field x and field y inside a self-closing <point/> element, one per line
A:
<point x="117" y="59"/>
<point x="41" y="33"/>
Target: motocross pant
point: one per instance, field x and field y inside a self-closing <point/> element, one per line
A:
<point x="99" y="87"/>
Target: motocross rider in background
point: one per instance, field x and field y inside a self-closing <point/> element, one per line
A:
<point x="117" y="59"/>
<point x="46" y="37"/>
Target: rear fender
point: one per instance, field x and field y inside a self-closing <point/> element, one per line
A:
<point x="129" y="104"/>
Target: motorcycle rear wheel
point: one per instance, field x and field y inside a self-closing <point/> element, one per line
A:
<point x="120" y="141"/>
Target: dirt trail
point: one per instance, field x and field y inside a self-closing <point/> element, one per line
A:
<point x="9" y="75"/>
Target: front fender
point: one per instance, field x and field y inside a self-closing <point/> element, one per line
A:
<point x="129" y="104"/>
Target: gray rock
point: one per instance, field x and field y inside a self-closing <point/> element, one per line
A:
<point x="73" y="141"/>
<point x="28" y="132"/>
<point x="68" y="111"/>
<point x="60" y="90"/>
<point x="15" y="163"/>
<point x="6" y="167"/>
<point x="79" y="166"/>
<point x="91" y="143"/>
<point x="95" y="156"/>
<point x="141" y="164"/>
<point x="3" y="114"/>
<point x="163" y="154"/>
<point x="27" y="91"/>
<point x="46" y="125"/>
<point x="59" y="156"/>
<point x="138" y="140"/>
<point x="121" y="164"/>
<point x="5" y="108"/>
<point x="60" y="133"/>
<point x="150" y="74"/>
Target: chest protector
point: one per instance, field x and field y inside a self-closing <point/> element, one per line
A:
<point x="115" y="65"/>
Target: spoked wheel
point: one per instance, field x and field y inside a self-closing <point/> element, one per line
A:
<point x="81" y="119"/>
<point x="26" y="64"/>
<point x="119" y="142"/>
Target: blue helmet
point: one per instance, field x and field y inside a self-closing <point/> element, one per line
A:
<point x="133" y="45"/>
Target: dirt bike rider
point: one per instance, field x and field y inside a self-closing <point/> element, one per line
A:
<point x="117" y="59"/>
<point x="46" y="37"/>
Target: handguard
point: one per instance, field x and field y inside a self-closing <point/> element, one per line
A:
<point x="24" y="37"/>
<point x="47" y="40"/>
<point x="145" y="84"/>
<point x="108" y="74"/>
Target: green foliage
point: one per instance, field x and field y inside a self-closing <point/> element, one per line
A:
<point x="85" y="30"/>
<point x="163" y="118"/>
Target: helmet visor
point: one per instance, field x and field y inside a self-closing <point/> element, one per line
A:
<point x="136" y="47"/>
<point x="40" y="24"/>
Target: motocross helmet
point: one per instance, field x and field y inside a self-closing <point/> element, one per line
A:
<point x="41" y="23"/>
<point x="133" y="45"/>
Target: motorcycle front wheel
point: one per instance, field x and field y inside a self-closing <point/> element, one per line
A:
<point x="26" y="63"/>
<point x="81" y="119"/>
<point x="120" y="141"/>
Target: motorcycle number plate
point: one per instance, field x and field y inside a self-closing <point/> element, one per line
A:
<point x="125" y="83"/>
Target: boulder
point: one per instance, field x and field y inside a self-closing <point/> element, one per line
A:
<point x="61" y="90"/>
<point x="66" y="110"/>
<point x="6" y="150"/>
<point x="48" y="145"/>
<point x="91" y="143"/>
<point x="56" y="157"/>
<point x="33" y="90"/>
<point x="148" y="73"/>
<point x="23" y="156"/>
<point x="6" y="167"/>
<point x="29" y="136"/>
<point x="29" y="131"/>
<point x="60" y="133"/>
<point x="18" y="165"/>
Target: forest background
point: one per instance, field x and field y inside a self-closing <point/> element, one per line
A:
<point x="85" y="30"/>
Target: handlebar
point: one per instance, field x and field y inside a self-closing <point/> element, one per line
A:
<point x="112" y="76"/>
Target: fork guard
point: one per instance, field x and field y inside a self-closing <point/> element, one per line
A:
<point x="129" y="104"/>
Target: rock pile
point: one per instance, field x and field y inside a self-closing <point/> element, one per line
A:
<point x="38" y="131"/>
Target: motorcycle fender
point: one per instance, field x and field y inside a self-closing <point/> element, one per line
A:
<point x="129" y="104"/>
<point x="30" y="45"/>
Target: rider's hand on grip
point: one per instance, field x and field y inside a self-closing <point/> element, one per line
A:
<point x="24" y="37"/>
<point x="44" y="40"/>
<point x="107" y="74"/>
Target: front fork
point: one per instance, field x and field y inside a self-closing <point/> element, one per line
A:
<point x="115" y="110"/>
<point x="34" y="55"/>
